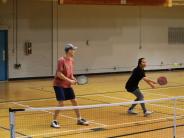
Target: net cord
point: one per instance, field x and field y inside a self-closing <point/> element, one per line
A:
<point x="31" y="109"/>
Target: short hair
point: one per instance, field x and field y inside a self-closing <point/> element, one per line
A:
<point x="66" y="50"/>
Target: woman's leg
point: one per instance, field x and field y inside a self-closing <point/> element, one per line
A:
<point x="140" y="97"/>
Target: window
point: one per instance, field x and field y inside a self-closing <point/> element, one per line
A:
<point x="176" y="35"/>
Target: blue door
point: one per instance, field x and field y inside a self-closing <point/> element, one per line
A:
<point x="3" y="55"/>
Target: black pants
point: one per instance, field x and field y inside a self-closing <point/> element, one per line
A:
<point x="140" y="97"/>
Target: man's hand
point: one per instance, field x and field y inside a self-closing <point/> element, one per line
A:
<point x="74" y="78"/>
<point x="63" y="77"/>
<point x="73" y="82"/>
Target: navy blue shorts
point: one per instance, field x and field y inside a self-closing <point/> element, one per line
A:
<point x="63" y="94"/>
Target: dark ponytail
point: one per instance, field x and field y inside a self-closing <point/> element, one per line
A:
<point x="140" y="61"/>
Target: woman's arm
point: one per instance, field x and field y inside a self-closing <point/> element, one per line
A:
<point x="150" y="82"/>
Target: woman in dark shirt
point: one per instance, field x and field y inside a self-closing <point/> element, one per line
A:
<point x="132" y="85"/>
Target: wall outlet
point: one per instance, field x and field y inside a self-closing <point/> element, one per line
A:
<point x="17" y="66"/>
<point x="161" y="63"/>
<point x="140" y="47"/>
<point x="87" y="42"/>
<point x="87" y="69"/>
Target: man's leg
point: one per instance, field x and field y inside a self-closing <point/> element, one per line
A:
<point x="70" y="95"/>
<point x="56" y="113"/>
<point x="60" y="98"/>
<point x="80" y="121"/>
<point x="77" y="112"/>
<point x="55" y="123"/>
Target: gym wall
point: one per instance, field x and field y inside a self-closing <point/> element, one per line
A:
<point x="108" y="37"/>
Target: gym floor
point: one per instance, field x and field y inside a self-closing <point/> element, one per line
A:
<point x="104" y="122"/>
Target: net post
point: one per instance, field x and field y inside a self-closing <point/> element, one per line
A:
<point x="174" y="118"/>
<point x="12" y="121"/>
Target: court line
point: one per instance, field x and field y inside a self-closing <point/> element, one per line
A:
<point x="122" y="124"/>
<point x="4" y="128"/>
<point x="44" y="99"/>
<point x="91" y="121"/>
<point x="165" y="118"/>
<point x="162" y="95"/>
<point x="167" y="87"/>
<point x="40" y="99"/>
<point x="125" y="99"/>
<point x="131" y="100"/>
<point x="149" y="120"/>
<point x="27" y="106"/>
<point x="28" y="100"/>
<point x="134" y="125"/>
<point x="148" y="103"/>
<point x="115" y="128"/>
<point x="67" y="131"/>
<point x="111" y="97"/>
<point x="158" y="94"/>
<point x="147" y="131"/>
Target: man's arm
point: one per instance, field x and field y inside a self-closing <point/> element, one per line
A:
<point x="63" y="77"/>
<point x="73" y="78"/>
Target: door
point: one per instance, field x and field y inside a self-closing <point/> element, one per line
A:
<point x="3" y="55"/>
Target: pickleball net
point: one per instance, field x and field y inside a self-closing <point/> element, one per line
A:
<point x="106" y="120"/>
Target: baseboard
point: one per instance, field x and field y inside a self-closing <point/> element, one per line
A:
<point x="124" y="72"/>
<point x="31" y="78"/>
<point x="91" y="74"/>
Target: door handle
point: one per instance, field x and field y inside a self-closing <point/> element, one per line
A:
<point x="4" y="55"/>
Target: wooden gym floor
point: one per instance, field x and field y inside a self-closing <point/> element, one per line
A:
<point x="109" y="122"/>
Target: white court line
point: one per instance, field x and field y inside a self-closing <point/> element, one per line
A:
<point x="144" y="90"/>
<point x="11" y="102"/>
<point x="130" y="101"/>
<point x="101" y="124"/>
<point x="166" y="88"/>
<point x="114" y="125"/>
<point x="95" y="94"/>
<point x="105" y="126"/>
<point x="27" y="106"/>
<point x="148" y="103"/>
<point x="169" y="87"/>
<point x="119" y="98"/>
<point x="59" y="132"/>
<point x="150" y="93"/>
<point x="165" y="118"/>
<point x="149" y="120"/>
<point x="91" y="121"/>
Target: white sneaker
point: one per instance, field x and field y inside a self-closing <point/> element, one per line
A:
<point x="82" y="122"/>
<point x="147" y="113"/>
<point x="55" y="124"/>
<point x="132" y="112"/>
